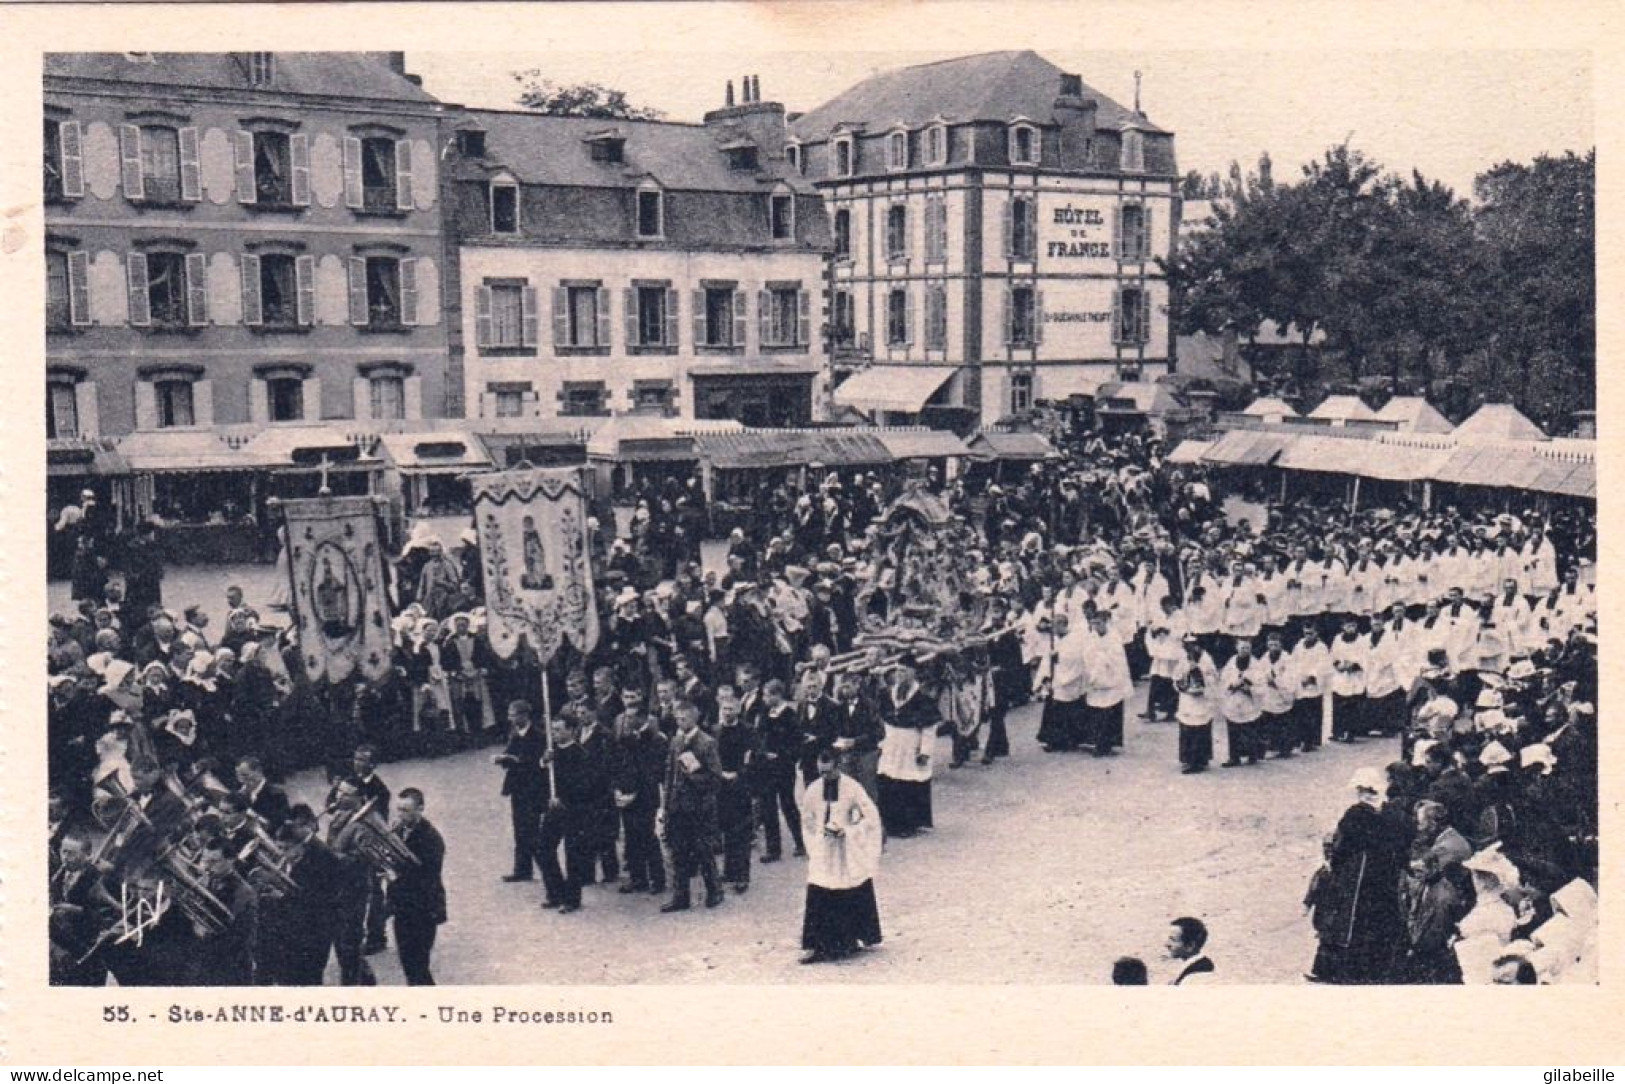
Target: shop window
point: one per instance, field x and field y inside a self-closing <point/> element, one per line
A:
<point x="173" y="399"/>
<point x="505" y="208"/>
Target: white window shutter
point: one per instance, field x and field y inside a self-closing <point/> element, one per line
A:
<point x="129" y="152"/>
<point x="140" y="299"/>
<point x="1009" y="316"/>
<point x="146" y="405"/>
<point x="412" y="398"/>
<point x="361" y="392"/>
<point x="352" y="172"/>
<point x="203" y="403"/>
<point x="671" y="319"/>
<point x="629" y="309"/>
<point x="87" y="405"/>
<point x="259" y="401"/>
<point x="803" y="317"/>
<point x="561" y="316"/>
<point x="1145" y="316"/>
<point x="358" y="291"/>
<point x="764" y="319"/>
<point x="409" y="290"/>
<point x="1145" y="231"/>
<point x="1030" y="245"/>
<point x="311" y="398"/>
<point x="529" y="318"/>
<point x="403" y="174"/>
<point x="247" y="189"/>
<point x="299" y="168"/>
<point x="1038" y="317"/>
<point x="740" y="319"/>
<point x="1117" y="316"/>
<point x="482" y="316"/>
<point x="697" y="300"/>
<point x="191" y="172"/>
<point x="908" y="317"/>
<point x="70" y="150"/>
<point x="249" y="264"/>
<point x="1117" y="232"/>
<point x="1009" y="227"/>
<point x="197" y="289"/>
<point x="304" y="279"/>
<point x="79" y="288"/>
<point x="601" y="312"/>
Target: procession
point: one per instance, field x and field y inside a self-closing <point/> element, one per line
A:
<point x="777" y="655"/>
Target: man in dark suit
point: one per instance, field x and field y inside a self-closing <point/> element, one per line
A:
<point x="820" y="718"/>
<point x="225" y="957"/>
<point x="417" y="898"/>
<point x="265" y="799"/>
<point x="525" y="787"/>
<point x="776" y="775"/>
<point x="640" y="766"/>
<point x="693" y="775"/>
<point x="571" y="807"/>
<point x="597" y="808"/>
<point x="314" y="907"/>
<point x="79" y="914"/>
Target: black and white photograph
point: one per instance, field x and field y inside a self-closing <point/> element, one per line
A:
<point x="1045" y="515"/>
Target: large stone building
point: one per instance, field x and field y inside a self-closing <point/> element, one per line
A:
<point x="616" y="266"/>
<point x="240" y="239"/>
<point x="996" y="225"/>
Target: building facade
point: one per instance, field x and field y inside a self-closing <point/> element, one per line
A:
<point x="996" y="226"/>
<point x="606" y="267"/>
<point x="240" y="239"/>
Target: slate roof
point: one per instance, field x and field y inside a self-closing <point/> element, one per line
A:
<point x="547" y="150"/>
<point x="984" y="87"/>
<point x="342" y="75"/>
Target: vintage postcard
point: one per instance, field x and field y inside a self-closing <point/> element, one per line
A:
<point x="808" y="532"/>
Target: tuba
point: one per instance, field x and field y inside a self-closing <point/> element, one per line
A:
<point x="267" y="861"/>
<point x="189" y="884"/>
<point x="368" y="836"/>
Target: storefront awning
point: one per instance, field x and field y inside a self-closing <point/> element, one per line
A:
<point x="1189" y="451"/>
<point x="764" y="449"/>
<point x="903" y="389"/>
<point x="435" y="453"/>
<point x="306" y="446"/>
<point x="186" y="451"/>
<point x="81" y="457"/>
<point x="922" y="443"/>
<point x="1021" y="446"/>
<point x="653" y="438"/>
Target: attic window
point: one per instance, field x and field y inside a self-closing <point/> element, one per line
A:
<point x="1133" y="158"/>
<point x="798" y="161"/>
<point x="504" y="207"/>
<point x="1024" y="145"/>
<point x="471" y="143"/>
<point x="608" y="149"/>
<point x="651" y="213"/>
<point x="742" y="159"/>
<point x="897" y="151"/>
<point x="842" y="164"/>
<point x="936" y="145"/>
<point x="261" y="69"/>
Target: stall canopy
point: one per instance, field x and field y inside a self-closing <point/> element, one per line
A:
<point x="1189" y="451"/>
<point x="1343" y="408"/>
<point x="1365" y="458"/>
<point x="1413" y="414"/>
<point x="769" y="448"/>
<point x="79" y="457"/>
<point x="1269" y="408"/>
<point x="435" y="453"/>
<point x="1247" y="448"/>
<point x="1016" y="445"/>
<point x="306" y="447"/>
<point x="190" y="451"/>
<point x="1498" y="422"/>
<point x="653" y="438"/>
<point x="1134" y="397"/>
<point x="921" y="443"/>
<point x="900" y="388"/>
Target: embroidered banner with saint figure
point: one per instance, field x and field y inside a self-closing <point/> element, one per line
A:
<point x="340" y="604"/>
<point x="533" y="545"/>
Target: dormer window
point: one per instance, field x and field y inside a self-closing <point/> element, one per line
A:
<point x="936" y="145"/>
<point x="1024" y="145"/>
<point x="1133" y="156"/>
<point x="608" y="148"/>
<point x="742" y="158"/>
<point x="261" y="69"/>
<point x="797" y="160"/>
<point x="897" y="151"/>
<point x="842" y="162"/>
<point x="471" y="143"/>
<point x="504" y="207"/>
<point x="782" y="216"/>
<point x="651" y="213"/>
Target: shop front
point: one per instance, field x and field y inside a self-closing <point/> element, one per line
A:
<point x="207" y="497"/>
<point x="766" y="397"/>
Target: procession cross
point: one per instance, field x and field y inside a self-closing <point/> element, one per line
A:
<point x="323" y="468"/>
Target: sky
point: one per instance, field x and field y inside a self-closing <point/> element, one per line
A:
<point x="1451" y="115"/>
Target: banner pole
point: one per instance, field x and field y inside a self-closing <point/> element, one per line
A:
<point x="547" y="731"/>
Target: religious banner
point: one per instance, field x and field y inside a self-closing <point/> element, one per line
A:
<point x="533" y="545"/>
<point x="340" y="603"/>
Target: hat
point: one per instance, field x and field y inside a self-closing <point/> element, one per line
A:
<point x="468" y="537"/>
<point x="1419" y="752"/>
<point x="1492" y="862"/>
<point x="1522" y="670"/>
<point x="1539" y="753"/>
<point x="1488" y="698"/>
<point x="1369" y="779"/>
<point x="115" y="674"/>
<point x="627" y="597"/>
<point x="1494" y="755"/>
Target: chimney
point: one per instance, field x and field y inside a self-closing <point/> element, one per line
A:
<point x="397" y="64"/>
<point x="1076" y="116"/>
<point x="763" y="122"/>
<point x="728" y="98"/>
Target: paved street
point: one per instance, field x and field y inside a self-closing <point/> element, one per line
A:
<point x="1043" y="869"/>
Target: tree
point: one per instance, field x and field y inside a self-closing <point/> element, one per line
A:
<point x="578" y="99"/>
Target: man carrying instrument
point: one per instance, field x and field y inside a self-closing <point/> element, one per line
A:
<point x="417" y="896"/>
<point x="226" y="953"/>
<point x="356" y="878"/>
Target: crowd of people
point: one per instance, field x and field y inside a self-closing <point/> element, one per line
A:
<point x="802" y="685"/>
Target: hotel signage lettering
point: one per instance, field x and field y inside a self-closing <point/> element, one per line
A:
<point x="1077" y="226"/>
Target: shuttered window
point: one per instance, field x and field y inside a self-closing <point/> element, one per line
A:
<point x="1131" y="316"/>
<point x="843" y="234"/>
<point x="898" y="330"/>
<point x="936" y="316"/>
<point x="897" y="231"/>
<point x="64" y="160"/>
